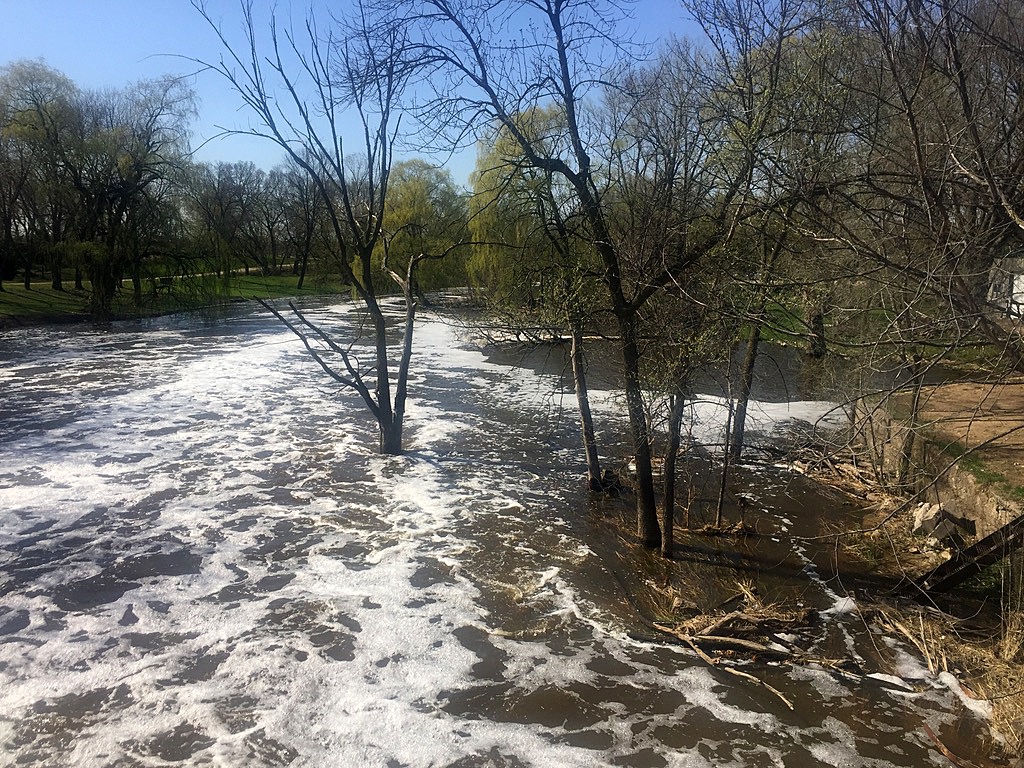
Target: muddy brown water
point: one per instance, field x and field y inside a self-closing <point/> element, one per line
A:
<point x="203" y="562"/>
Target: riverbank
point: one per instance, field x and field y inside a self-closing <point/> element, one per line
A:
<point x="974" y="632"/>
<point x="813" y="567"/>
<point x="858" y="541"/>
<point x="42" y="305"/>
<point x="962" y="451"/>
<point x="796" y="581"/>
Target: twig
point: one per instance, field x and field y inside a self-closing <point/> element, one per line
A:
<point x="954" y="759"/>
<point x="721" y="622"/>
<point x="733" y="671"/>
<point x="737" y="643"/>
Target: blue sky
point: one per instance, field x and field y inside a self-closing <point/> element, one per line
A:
<point x="110" y="43"/>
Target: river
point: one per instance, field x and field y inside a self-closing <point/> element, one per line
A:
<point x="203" y="562"/>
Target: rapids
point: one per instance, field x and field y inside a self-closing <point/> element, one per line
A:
<point x="203" y="562"/>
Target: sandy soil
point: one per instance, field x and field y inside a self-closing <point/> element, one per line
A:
<point x="987" y="418"/>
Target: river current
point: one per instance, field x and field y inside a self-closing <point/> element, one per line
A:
<point x="203" y="562"/>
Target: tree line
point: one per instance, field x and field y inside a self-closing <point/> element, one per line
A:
<point x="842" y="175"/>
<point x="98" y="192"/>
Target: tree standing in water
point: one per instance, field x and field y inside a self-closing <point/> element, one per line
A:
<point x="303" y="90"/>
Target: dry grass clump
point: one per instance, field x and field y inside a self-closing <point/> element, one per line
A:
<point x="1000" y="684"/>
<point x="1012" y="645"/>
<point x="987" y="664"/>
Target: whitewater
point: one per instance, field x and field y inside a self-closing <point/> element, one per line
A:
<point x="203" y="562"/>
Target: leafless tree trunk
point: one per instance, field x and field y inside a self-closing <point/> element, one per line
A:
<point x="677" y="406"/>
<point x="304" y="90"/>
<point x="579" y="377"/>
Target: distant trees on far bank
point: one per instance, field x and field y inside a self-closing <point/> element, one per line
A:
<point x="88" y="176"/>
<point x="98" y="193"/>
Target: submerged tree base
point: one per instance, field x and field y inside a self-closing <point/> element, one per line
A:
<point x="739" y="593"/>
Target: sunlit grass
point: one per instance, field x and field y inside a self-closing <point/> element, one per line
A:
<point x="41" y="303"/>
<point x="976" y="466"/>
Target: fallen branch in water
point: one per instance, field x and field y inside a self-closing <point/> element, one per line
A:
<point x="733" y="671"/>
<point x="956" y="760"/>
<point x="714" y="626"/>
<point x="709" y="642"/>
<point x="726" y="643"/>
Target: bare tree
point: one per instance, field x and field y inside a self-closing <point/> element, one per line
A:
<point x="303" y="90"/>
<point x="223" y="199"/>
<point x="937" y="136"/>
<point x="536" y="254"/>
<point x="487" y="75"/>
<point x="302" y="223"/>
<point x="491" y="63"/>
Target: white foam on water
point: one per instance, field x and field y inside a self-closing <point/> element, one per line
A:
<point x="980" y="707"/>
<point x="701" y="690"/>
<point x="903" y="688"/>
<point x="834" y="748"/>
<point x="206" y="563"/>
<point x="907" y="666"/>
<point x="841" y="606"/>
<point x="706" y="416"/>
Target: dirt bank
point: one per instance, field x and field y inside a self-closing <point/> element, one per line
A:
<point x="963" y="449"/>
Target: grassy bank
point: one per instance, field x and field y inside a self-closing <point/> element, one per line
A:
<point x="42" y="304"/>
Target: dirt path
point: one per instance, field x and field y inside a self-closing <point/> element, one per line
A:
<point x="986" y="420"/>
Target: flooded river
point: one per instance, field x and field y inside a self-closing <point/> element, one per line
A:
<point x="203" y="562"/>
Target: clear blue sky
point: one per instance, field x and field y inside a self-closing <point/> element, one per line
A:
<point x="110" y="43"/>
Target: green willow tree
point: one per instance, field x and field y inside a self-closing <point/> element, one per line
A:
<point x="15" y="174"/>
<point x="39" y="118"/>
<point x="427" y="219"/>
<point x="534" y="257"/>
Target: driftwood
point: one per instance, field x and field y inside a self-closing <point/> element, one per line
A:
<point x="735" y="672"/>
<point x="726" y="643"/>
<point x="761" y="622"/>
<point x="722" y="636"/>
<point x="956" y="760"/>
<point x="756" y="636"/>
<point x="710" y="629"/>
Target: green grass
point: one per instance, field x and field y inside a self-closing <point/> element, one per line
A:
<point x="43" y="304"/>
<point x="991" y="581"/>
<point x="781" y="327"/>
<point x="975" y="466"/>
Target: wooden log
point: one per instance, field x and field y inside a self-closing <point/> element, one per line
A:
<point x="963" y="565"/>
